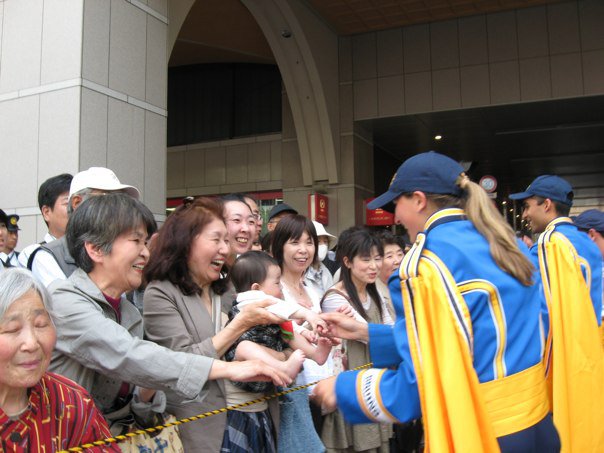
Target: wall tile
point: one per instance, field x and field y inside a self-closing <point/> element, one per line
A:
<point x="215" y="168"/>
<point x="21" y="45"/>
<point x="237" y="164"/>
<point x="502" y="34"/>
<point x="126" y="142"/>
<point x="475" y="86"/>
<point x="364" y="56"/>
<point x="391" y="98"/>
<point x="593" y="72"/>
<point x="19" y="132"/>
<point x="418" y="92"/>
<point x="444" y="44"/>
<point x="347" y="159"/>
<point x="154" y="189"/>
<point x="276" y="160"/>
<point x="93" y="129"/>
<point x="563" y="27"/>
<point x="416" y="48"/>
<point x="194" y="173"/>
<point x="567" y="75"/>
<point x="365" y="99"/>
<point x="345" y="58"/>
<point x="1" y="21"/>
<point x="363" y="162"/>
<point x="535" y="80"/>
<point x="390" y="52"/>
<point x="291" y="165"/>
<point x="473" y="40"/>
<point x="259" y="162"/>
<point x="156" y="83"/>
<point x="59" y="139"/>
<point x="62" y="40"/>
<point x="591" y="18"/>
<point x="505" y="82"/>
<point x="127" y="49"/>
<point x="175" y="170"/>
<point x="346" y="108"/>
<point x="95" y="48"/>
<point x="161" y="6"/>
<point x="532" y="32"/>
<point x="446" y="89"/>
<point x="29" y="231"/>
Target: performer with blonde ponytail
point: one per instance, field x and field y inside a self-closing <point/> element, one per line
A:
<point x="466" y="344"/>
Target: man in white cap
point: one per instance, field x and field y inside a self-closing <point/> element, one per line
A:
<point x="319" y="276"/>
<point x="53" y="261"/>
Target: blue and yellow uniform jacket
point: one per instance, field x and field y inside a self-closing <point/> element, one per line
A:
<point x="571" y="268"/>
<point x="590" y="259"/>
<point x="463" y="327"/>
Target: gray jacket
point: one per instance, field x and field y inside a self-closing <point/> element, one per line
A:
<point x="99" y="354"/>
<point x="183" y="323"/>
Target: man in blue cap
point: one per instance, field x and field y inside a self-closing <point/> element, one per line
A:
<point x="571" y="271"/>
<point x="546" y="203"/>
<point x="592" y="223"/>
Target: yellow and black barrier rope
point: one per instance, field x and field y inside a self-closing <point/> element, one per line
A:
<point x="138" y="432"/>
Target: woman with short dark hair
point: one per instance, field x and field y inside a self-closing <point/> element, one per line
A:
<point x="294" y="244"/>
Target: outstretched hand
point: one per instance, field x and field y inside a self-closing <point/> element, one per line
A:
<point x="248" y="371"/>
<point x="344" y="327"/>
<point x="324" y="395"/>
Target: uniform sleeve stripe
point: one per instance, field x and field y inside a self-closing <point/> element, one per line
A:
<point x="369" y="396"/>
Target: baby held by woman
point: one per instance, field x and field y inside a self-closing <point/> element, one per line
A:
<point x="256" y="276"/>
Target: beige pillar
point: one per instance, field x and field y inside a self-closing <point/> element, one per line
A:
<point x="82" y="83"/>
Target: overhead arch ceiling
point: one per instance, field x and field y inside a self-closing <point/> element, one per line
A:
<point x="221" y="31"/>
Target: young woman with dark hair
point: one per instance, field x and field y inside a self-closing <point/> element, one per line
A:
<point x="360" y="253"/>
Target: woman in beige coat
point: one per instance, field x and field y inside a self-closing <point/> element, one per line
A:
<point x="182" y="311"/>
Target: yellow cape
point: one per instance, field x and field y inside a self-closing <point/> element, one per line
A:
<point x="439" y="330"/>
<point x="574" y="359"/>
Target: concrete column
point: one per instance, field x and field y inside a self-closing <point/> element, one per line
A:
<point x="82" y="83"/>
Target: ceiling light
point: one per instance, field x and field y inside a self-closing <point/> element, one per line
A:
<point x="438" y="137"/>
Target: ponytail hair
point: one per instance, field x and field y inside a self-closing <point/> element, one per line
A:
<point x="502" y="240"/>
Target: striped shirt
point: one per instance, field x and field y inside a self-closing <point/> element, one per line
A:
<point x="60" y="415"/>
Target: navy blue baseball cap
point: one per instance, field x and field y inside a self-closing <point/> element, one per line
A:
<point x="429" y="172"/>
<point x="592" y="218"/>
<point x="548" y="186"/>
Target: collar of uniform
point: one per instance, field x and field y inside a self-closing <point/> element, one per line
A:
<point x="444" y="216"/>
<point x="558" y="221"/>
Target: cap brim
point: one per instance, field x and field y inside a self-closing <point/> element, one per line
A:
<point x="382" y="200"/>
<point x="521" y="196"/>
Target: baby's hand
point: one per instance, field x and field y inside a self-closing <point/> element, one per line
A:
<point x="317" y="323"/>
<point x="310" y="335"/>
<point x="346" y="310"/>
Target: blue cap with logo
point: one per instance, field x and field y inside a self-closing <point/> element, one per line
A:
<point x="429" y="172"/>
<point x="548" y="186"/>
<point x="592" y="218"/>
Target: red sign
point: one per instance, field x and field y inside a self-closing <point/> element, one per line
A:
<point x="377" y="217"/>
<point x="318" y="208"/>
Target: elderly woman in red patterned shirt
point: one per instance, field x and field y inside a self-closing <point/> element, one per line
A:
<point x="39" y="411"/>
